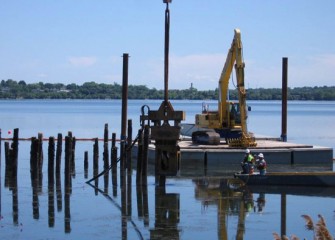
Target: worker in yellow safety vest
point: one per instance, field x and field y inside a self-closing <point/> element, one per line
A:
<point x="248" y="163"/>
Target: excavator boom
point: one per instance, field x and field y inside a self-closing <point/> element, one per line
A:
<point x="230" y="121"/>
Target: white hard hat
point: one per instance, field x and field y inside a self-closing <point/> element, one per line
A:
<point x="261" y="155"/>
<point x="247" y="151"/>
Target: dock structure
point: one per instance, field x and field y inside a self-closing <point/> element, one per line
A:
<point x="224" y="157"/>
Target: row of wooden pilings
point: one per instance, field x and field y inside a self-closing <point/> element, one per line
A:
<point x="54" y="161"/>
<point x="54" y="171"/>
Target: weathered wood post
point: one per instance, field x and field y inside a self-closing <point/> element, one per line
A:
<point x="67" y="165"/>
<point x="34" y="161"/>
<point x="124" y="116"/>
<point x="15" y="147"/>
<point x="284" y="101"/>
<point x="40" y="151"/>
<point x="59" y="153"/>
<point x="7" y="167"/>
<point x="106" y="159"/>
<point x="139" y="157"/>
<point x="72" y="154"/>
<point x="96" y="163"/>
<point x="86" y="164"/>
<point x="51" y="161"/>
<point x="51" y="177"/>
<point x="145" y="155"/>
<point x="129" y="142"/>
<point x="114" y="170"/>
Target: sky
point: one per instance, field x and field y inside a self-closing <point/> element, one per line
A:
<point x="78" y="41"/>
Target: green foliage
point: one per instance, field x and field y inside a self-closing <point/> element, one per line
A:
<point x="11" y="89"/>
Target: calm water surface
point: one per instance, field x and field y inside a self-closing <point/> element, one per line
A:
<point x="197" y="207"/>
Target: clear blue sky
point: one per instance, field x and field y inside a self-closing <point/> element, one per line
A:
<point x="77" y="41"/>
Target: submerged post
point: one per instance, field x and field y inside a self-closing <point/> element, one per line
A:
<point x="284" y="101"/>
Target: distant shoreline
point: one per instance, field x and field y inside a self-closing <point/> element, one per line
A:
<point x="11" y="89"/>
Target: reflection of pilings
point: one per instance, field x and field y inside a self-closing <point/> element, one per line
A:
<point x="59" y="153"/>
<point x="167" y="215"/>
<point x="51" y="205"/>
<point x="86" y="164"/>
<point x="123" y="206"/>
<point x="129" y="192"/>
<point x="283" y="214"/>
<point x="142" y="203"/>
<point x="51" y="182"/>
<point x="241" y="221"/>
<point x="67" y="214"/>
<point x="15" y="202"/>
<point x="59" y="192"/>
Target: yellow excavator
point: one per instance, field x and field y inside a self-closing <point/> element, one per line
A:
<point x="230" y="120"/>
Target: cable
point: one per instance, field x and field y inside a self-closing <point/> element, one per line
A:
<point x="110" y="166"/>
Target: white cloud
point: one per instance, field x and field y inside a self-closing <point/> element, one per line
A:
<point x="82" y="61"/>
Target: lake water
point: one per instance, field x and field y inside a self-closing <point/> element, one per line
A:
<point x="191" y="208"/>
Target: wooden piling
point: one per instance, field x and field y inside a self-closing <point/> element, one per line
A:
<point x="34" y="160"/>
<point x="139" y="157"/>
<point x="106" y="133"/>
<point x="96" y="154"/>
<point x="86" y="164"/>
<point x="40" y="151"/>
<point x="114" y="171"/>
<point x="15" y="147"/>
<point x="59" y="152"/>
<point x="67" y="165"/>
<point x="51" y="161"/>
<point x="145" y="155"/>
<point x="51" y="182"/>
<point x="129" y="142"/>
<point x="7" y="164"/>
<point x="96" y="164"/>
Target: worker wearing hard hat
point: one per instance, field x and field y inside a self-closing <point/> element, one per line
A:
<point x="248" y="163"/>
<point x="261" y="164"/>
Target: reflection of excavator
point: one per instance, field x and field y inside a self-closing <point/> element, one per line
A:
<point x="230" y="121"/>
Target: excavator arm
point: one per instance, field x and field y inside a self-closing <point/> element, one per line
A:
<point x="234" y="58"/>
<point x="223" y="120"/>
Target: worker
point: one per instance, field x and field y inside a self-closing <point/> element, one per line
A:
<point x="261" y="164"/>
<point x="248" y="163"/>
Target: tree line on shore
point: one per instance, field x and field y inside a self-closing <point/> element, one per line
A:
<point x="11" y="89"/>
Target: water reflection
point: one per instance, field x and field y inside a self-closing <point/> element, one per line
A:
<point x="239" y="201"/>
<point x="162" y="219"/>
